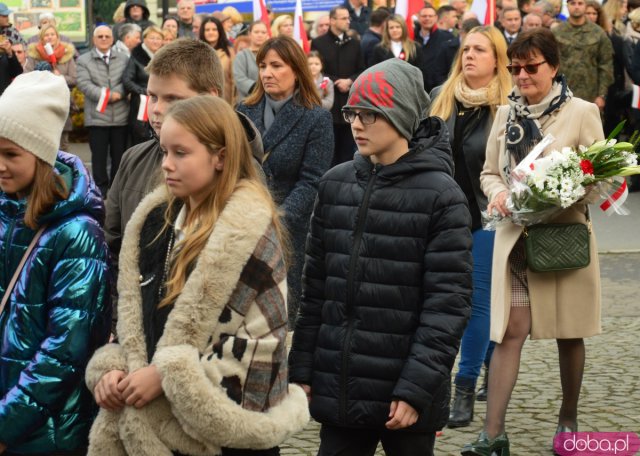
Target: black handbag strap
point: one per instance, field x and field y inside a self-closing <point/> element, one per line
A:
<point x="16" y="274"/>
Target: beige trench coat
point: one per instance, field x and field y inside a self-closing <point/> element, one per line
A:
<point x="564" y="305"/>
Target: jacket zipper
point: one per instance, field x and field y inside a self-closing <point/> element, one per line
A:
<point x="353" y="262"/>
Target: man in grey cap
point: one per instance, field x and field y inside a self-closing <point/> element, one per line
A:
<point x="387" y="278"/>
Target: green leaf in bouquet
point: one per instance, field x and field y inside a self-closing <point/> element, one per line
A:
<point x="616" y="131"/>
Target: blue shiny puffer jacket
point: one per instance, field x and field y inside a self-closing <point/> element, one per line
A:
<point x="58" y="314"/>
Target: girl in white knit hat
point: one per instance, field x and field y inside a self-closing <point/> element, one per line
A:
<point x="54" y="278"/>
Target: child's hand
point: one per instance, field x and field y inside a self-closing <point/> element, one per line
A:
<point x="106" y="391"/>
<point x="402" y="415"/>
<point x="141" y="386"/>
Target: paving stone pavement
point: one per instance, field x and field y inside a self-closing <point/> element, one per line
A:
<point x="610" y="399"/>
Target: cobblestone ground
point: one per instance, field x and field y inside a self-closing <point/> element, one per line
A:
<point x="610" y="398"/>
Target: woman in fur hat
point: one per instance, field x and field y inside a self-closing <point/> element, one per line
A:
<point x="200" y="365"/>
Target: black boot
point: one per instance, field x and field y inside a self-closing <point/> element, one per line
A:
<point x="462" y="409"/>
<point x="481" y="395"/>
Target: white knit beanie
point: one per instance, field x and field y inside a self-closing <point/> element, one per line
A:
<point x="33" y="111"/>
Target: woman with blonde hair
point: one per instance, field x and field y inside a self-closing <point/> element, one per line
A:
<point x="50" y="52"/>
<point x="297" y="134"/>
<point x="479" y="83"/>
<point x="616" y="11"/>
<point x="200" y="365"/>
<point x="396" y="43"/>
<point x="282" y="25"/>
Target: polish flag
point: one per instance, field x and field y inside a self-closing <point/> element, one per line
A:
<point x="299" y="33"/>
<point x="635" y="100"/>
<point x="613" y="203"/>
<point x="142" y="110"/>
<point x="408" y="9"/>
<point x="260" y="13"/>
<point x="105" y="94"/>
<point x="486" y="11"/>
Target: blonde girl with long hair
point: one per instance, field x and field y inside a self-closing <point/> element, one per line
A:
<point x="201" y="354"/>
<point x="396" y="43"/>
<point x="478" y="84"/>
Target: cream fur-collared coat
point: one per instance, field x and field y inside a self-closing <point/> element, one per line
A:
<point x="213" y="316"/>
<point x="564" y="305"/>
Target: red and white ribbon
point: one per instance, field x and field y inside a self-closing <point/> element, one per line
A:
<point x="142" y="110"/>
<point x="614" y="201"/>
<point x="105" y="94"/>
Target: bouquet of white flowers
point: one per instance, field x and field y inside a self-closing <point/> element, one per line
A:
<point x="541" y="187"/>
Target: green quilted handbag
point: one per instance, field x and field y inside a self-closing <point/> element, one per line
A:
<point x="557" y="246"/>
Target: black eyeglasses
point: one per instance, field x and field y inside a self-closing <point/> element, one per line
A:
<point x="366" y="117"/>
<point x="530" y="68"/>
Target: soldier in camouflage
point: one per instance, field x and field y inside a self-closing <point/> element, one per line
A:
<point x="586" y="55"/>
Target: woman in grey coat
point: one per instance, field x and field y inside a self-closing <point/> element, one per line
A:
<point x="245" y="69"/>
<point x="297" y="135"/>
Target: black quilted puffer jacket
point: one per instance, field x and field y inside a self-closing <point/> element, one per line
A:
<point x="387" y="287"/>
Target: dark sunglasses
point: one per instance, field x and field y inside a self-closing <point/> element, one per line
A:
<point x="530" y="68"/>
<point x="366" y="117"/>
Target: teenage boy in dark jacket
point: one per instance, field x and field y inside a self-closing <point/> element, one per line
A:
<point x="387" y="281"/>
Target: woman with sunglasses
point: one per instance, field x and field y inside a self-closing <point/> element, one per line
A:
<point x="563" y="306"/>
<point x="468" y="101"/>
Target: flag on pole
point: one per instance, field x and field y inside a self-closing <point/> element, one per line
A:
<point x="142" y="109"/>
<point x="299" y="32"/>
<point x="485" y="10"/>
<point x="635" y="99"/>
<point x="260" y="13"/>
<point x="408" y="9"/>
<point x="105" y="94"/>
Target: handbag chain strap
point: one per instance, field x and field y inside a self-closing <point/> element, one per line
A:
<point x="16" y="274"/>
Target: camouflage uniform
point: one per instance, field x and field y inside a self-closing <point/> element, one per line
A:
<point x="586" y="59"/>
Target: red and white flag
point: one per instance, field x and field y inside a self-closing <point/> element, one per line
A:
<point x="485" y="10"/>
<point x="142" y="110"/>
<point x="408" y="9"/>
<point x="260" y="13"/>
<point x="635" y="99"/>
<point x="613" y="203"/>
<point x="299" y="32"/>
<point x="105" y="94"/>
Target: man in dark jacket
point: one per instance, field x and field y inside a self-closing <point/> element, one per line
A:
<point x="359" y="15"/>
<point x="373" y="36"/>
<point x="343" y="63"/>
<point x="135" y="12"/>
<point x="10" y="66"/>
<point x="387" y="283"/>
<point x="431" y="41"/>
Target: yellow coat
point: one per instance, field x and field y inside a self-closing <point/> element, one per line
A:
<point x="564" y="305"/>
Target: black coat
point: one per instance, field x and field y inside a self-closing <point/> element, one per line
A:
<point x="135" y="79"/>
<point x="380" y="54"/>
<point x="342" y="59"/>
<point x="358" y="23"/>
<point x="471" y="147"/>
<point x="368" y="42"/>
<point x="434" y="67"/>
<point x="9" y="69"/>
<point x="387" y="287"/>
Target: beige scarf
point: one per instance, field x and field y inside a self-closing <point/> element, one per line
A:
<point x="472" y="98"/>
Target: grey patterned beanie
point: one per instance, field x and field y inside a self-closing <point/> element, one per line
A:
<point x="395" y="89"/>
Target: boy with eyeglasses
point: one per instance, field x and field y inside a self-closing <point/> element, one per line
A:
<point x="387" y="279"/>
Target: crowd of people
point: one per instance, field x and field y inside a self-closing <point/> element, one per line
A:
<point x="242" y="189"/>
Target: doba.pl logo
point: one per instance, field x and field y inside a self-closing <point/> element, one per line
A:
<point x="596" y="443"/>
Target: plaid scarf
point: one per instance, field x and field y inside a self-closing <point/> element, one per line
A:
<point x="523" y="123"/>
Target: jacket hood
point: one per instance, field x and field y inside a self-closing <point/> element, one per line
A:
<point x="429" y="150"/>
<point x="141" y="3"/>
<point x="84" y="196"/>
